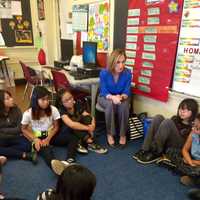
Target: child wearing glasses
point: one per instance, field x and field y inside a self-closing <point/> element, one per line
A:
<point x="79" y="121"/>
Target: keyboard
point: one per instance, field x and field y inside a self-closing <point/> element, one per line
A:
<point x="84" y="74"/>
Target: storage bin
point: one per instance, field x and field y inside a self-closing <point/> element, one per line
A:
<point x="146" y="124"/>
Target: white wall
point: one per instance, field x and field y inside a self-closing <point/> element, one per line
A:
<point x="50" y="35"/>
<point x="153" y="107"/>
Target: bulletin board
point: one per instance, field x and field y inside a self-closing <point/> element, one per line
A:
<point x="151" y="43"/>
<point x="16" y="23"/>
<point x="187" y="69"/>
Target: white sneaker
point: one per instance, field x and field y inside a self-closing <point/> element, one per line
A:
<point x="81" y="149"/>
<point x="59" y="166"/>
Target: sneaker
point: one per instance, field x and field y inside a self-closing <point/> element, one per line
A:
<point x="81" y="149"/>
<point x="194" y="194"/>
<point x="148" y="157"/>
<point x="59" y="166"/>
<point x="97" y="148"/>
<point x="138" y="154"/>
<point x="187" y="181"/>
<point x="32" y="156"/>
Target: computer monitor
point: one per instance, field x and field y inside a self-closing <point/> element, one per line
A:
<point x="66" y="50"/>
<point x="89" y="53"/>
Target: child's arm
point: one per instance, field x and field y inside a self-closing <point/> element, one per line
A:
<point x="93" y="123"/>
<point x="28" y="133"/>
<point x="186" y="151"/>
<point x="74" y="125"/>
<point x="51" y="133"/>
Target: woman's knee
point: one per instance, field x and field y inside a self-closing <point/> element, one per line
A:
<point x="125" y="105"/>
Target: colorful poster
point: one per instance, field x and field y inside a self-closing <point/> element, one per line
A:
<point x="155" y="24"/>
<point x="98" y="28"/>
<point x="187" y="69"/>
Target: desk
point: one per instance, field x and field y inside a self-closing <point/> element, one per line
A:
<point x="91" y="82"/>
<point x="3" y="66"/>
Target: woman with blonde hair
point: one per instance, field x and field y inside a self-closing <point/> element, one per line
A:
<point x="115" y="83"/>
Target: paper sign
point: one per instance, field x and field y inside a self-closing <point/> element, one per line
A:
<point x="131" y="46"/>
<point x="130" y="61"/>
<point x="144" y="88"/>
<point x="131" y="54"/>
<point x="150" y="38"/>
<point x="146" y="73"/>
<point x="134" y="12"/>
<point x="131" y="38"/>
<point x="132" y="29"/>
<point x="150" y="29"/>
<point x="16" y="8"/>
<point x="149" y="56"/>
<point x="147" y="64"/>
<point x="153" y="20"/>
<point x="133" y="21"/>
<point x="149" y="47"/>
<point x="153" y="11"/>
<point x="144" y="80"/>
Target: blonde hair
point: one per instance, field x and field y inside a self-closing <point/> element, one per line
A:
<point x="113" y="58"/>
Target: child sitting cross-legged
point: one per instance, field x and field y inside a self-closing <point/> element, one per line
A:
<point x="191" y="153"/>
<point x="187" y="161"/>
<point x="79" y="121"/>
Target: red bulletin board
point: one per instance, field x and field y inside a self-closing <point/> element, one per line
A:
<point x="151" y="43"/>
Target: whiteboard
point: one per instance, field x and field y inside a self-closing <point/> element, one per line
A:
<point x="187" y="69"/>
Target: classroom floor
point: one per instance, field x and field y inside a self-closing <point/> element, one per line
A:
<point x="119" y="177"/>
<point x="17" y="92"/>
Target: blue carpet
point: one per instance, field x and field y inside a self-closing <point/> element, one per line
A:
<point x="119" y="177"/>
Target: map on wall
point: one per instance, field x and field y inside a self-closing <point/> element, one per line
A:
<point x="98" y="26"/>
<point x="187" y="71"/>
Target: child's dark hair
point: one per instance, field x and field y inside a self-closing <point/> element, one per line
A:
<point x="38" y="93"/>
<point x="190" y="104"/>
<point x="2" y="104"/>
<point x="75" y="183"/>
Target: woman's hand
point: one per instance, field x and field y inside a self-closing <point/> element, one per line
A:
<point x="116" y="99"/>
<point x="124" y="97"/>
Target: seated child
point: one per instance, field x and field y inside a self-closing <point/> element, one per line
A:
<point x="187" y="161"/>
<point x="167" y="133"/>
<point x="13" y="144"/>
<point x="75" y="182"/>
<point x="79" y="121"/>
<point x="40" y="124"/>
<point x="191" y="153"/>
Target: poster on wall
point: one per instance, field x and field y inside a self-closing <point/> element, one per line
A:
<point x="98" y="27"/>
<point x="79" y="18"/>
<point x="187" y="68"/>
<point x="151" y="43"/>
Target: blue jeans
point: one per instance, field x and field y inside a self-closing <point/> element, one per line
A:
<point x="65" y="137"/>
<point x="14" y="147"/>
